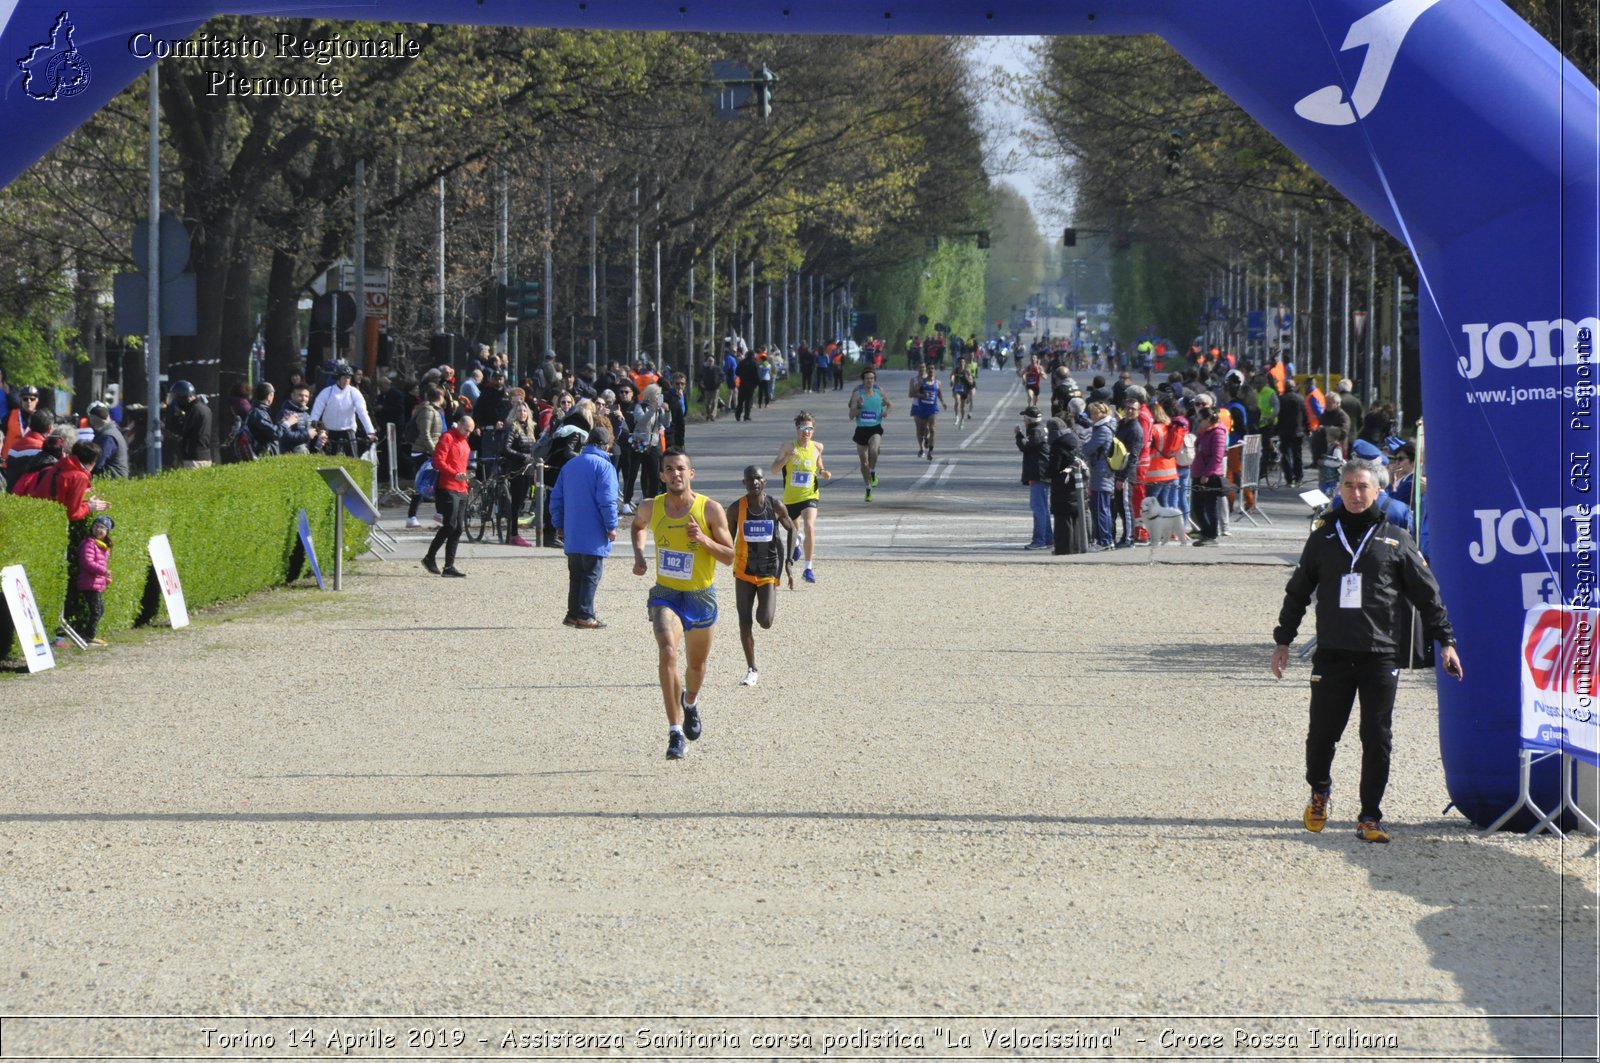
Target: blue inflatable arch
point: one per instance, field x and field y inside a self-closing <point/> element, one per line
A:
<point x="1450" y="122"/>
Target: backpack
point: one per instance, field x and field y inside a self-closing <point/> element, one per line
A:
<point x="25" y="471"/>
<point x="38" y="483"/>
<point x="244" y="448"/>
<point x="1118" y="458"/>
<point x="1186" y="451"/>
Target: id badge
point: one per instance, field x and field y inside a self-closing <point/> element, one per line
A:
<point x="1350" y="591"/>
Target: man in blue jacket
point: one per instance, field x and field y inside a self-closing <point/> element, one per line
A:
<point x="584" y="506"/>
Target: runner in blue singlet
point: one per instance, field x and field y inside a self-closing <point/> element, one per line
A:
<point x="927" y="398"/>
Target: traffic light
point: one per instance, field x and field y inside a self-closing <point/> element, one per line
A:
<point x="764" y="83"/>
<point x="1069" y="238"/>
<point x="524" y="300"/>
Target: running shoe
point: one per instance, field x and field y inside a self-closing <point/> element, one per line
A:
<point x="796" y="556"/>
<point x="676" y="749"/>
<point x="431" y="565"/>
<point x="930" y="454"/>
<point x="1370" y="830"/>
<point x="691" y="716"/>
<point x="919" y="452"/>
<point x="751" y="678"/>
<point x="98" y="642"/>
<point x="869" y="494"/>
<point x="809" y="576"/>
<point x="1316" y="815"/>
<point x="627" y="509"/>
<point x="413" y="522"/>
<point x="874" y="477"/>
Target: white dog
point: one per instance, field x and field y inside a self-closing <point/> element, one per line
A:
<point x="1162" y="523"/>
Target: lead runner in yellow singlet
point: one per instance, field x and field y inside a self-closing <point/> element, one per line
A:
<point x="800" y="464"/>
<point x="691" y="538"/>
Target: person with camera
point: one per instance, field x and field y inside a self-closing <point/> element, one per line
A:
<point x="1358" y="565"/>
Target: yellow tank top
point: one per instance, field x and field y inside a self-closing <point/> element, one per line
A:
<point x="800" y="475"/>
<point x="681" y="564"/>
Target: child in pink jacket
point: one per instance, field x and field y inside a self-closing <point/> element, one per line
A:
<point x="94" y="576"/>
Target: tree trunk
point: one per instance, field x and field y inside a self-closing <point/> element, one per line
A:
<point x="283" y="318"/>
<point x="238" y="323"/>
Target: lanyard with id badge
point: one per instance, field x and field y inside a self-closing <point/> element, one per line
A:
<point x="1350" y="583"/>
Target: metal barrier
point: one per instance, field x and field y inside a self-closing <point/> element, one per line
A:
<point x="395" y="495"/>
<point x="1250" y="479"/>
<point x="538" y="503"/>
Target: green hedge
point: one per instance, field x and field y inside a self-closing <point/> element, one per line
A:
<point x="232" y="529"/>
<point x="33" y="534"/>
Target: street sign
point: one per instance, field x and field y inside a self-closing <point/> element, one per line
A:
<point x="729" y="87"/>
<point x="130" y="294"/>
<point x="377" y="291"/>
<point x="174" y="246"/>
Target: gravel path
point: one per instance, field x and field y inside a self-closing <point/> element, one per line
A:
<point x="960" y="793"/>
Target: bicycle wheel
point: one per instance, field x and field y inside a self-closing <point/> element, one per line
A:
<point x="505" y="513"/>
<point x="477" y="517"/>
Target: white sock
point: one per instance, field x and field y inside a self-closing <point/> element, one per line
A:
<point x="675" y="729"/>
<point x="808" y="566"/>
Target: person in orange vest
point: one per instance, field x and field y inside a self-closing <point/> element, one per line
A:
<point x="17" y="420"/>
<point x="1316" y="403"/>
<point x="1276" y="372"/>
<point x="643" y="377"/>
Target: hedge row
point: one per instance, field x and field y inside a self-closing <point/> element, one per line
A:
<point x="232" y="529"/>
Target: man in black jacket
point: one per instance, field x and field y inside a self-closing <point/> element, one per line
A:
<point x="189" y="422"/>
<point x="1291" y="431"/>
<point x="748" y="378"/>
<point x="1358" y="565"/>
<point x="1035" y="447"/>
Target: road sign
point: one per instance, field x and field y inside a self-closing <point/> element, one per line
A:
<point x="174" y="246"/>
<point x="729" y="87"/>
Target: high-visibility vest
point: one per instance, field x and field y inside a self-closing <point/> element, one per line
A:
<point x="1313" y="418"/>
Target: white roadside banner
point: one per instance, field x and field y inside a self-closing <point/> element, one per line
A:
<point x="31" y="635"/>
<point x="167" y="577"/>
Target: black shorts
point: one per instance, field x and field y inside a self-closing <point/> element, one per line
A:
<point x="864" y="433"/>
<point x="794" y="509"/>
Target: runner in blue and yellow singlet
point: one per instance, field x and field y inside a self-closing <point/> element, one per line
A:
<point x="800" y="464"/>
<point x="869" y="408"/>
<point x="691" y="537"/>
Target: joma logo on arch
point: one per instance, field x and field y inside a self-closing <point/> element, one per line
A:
<point x="1536" y="345"/>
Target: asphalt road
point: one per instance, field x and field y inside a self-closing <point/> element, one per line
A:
<point x="968" y="498"/>
<point x="967" y="503"/>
